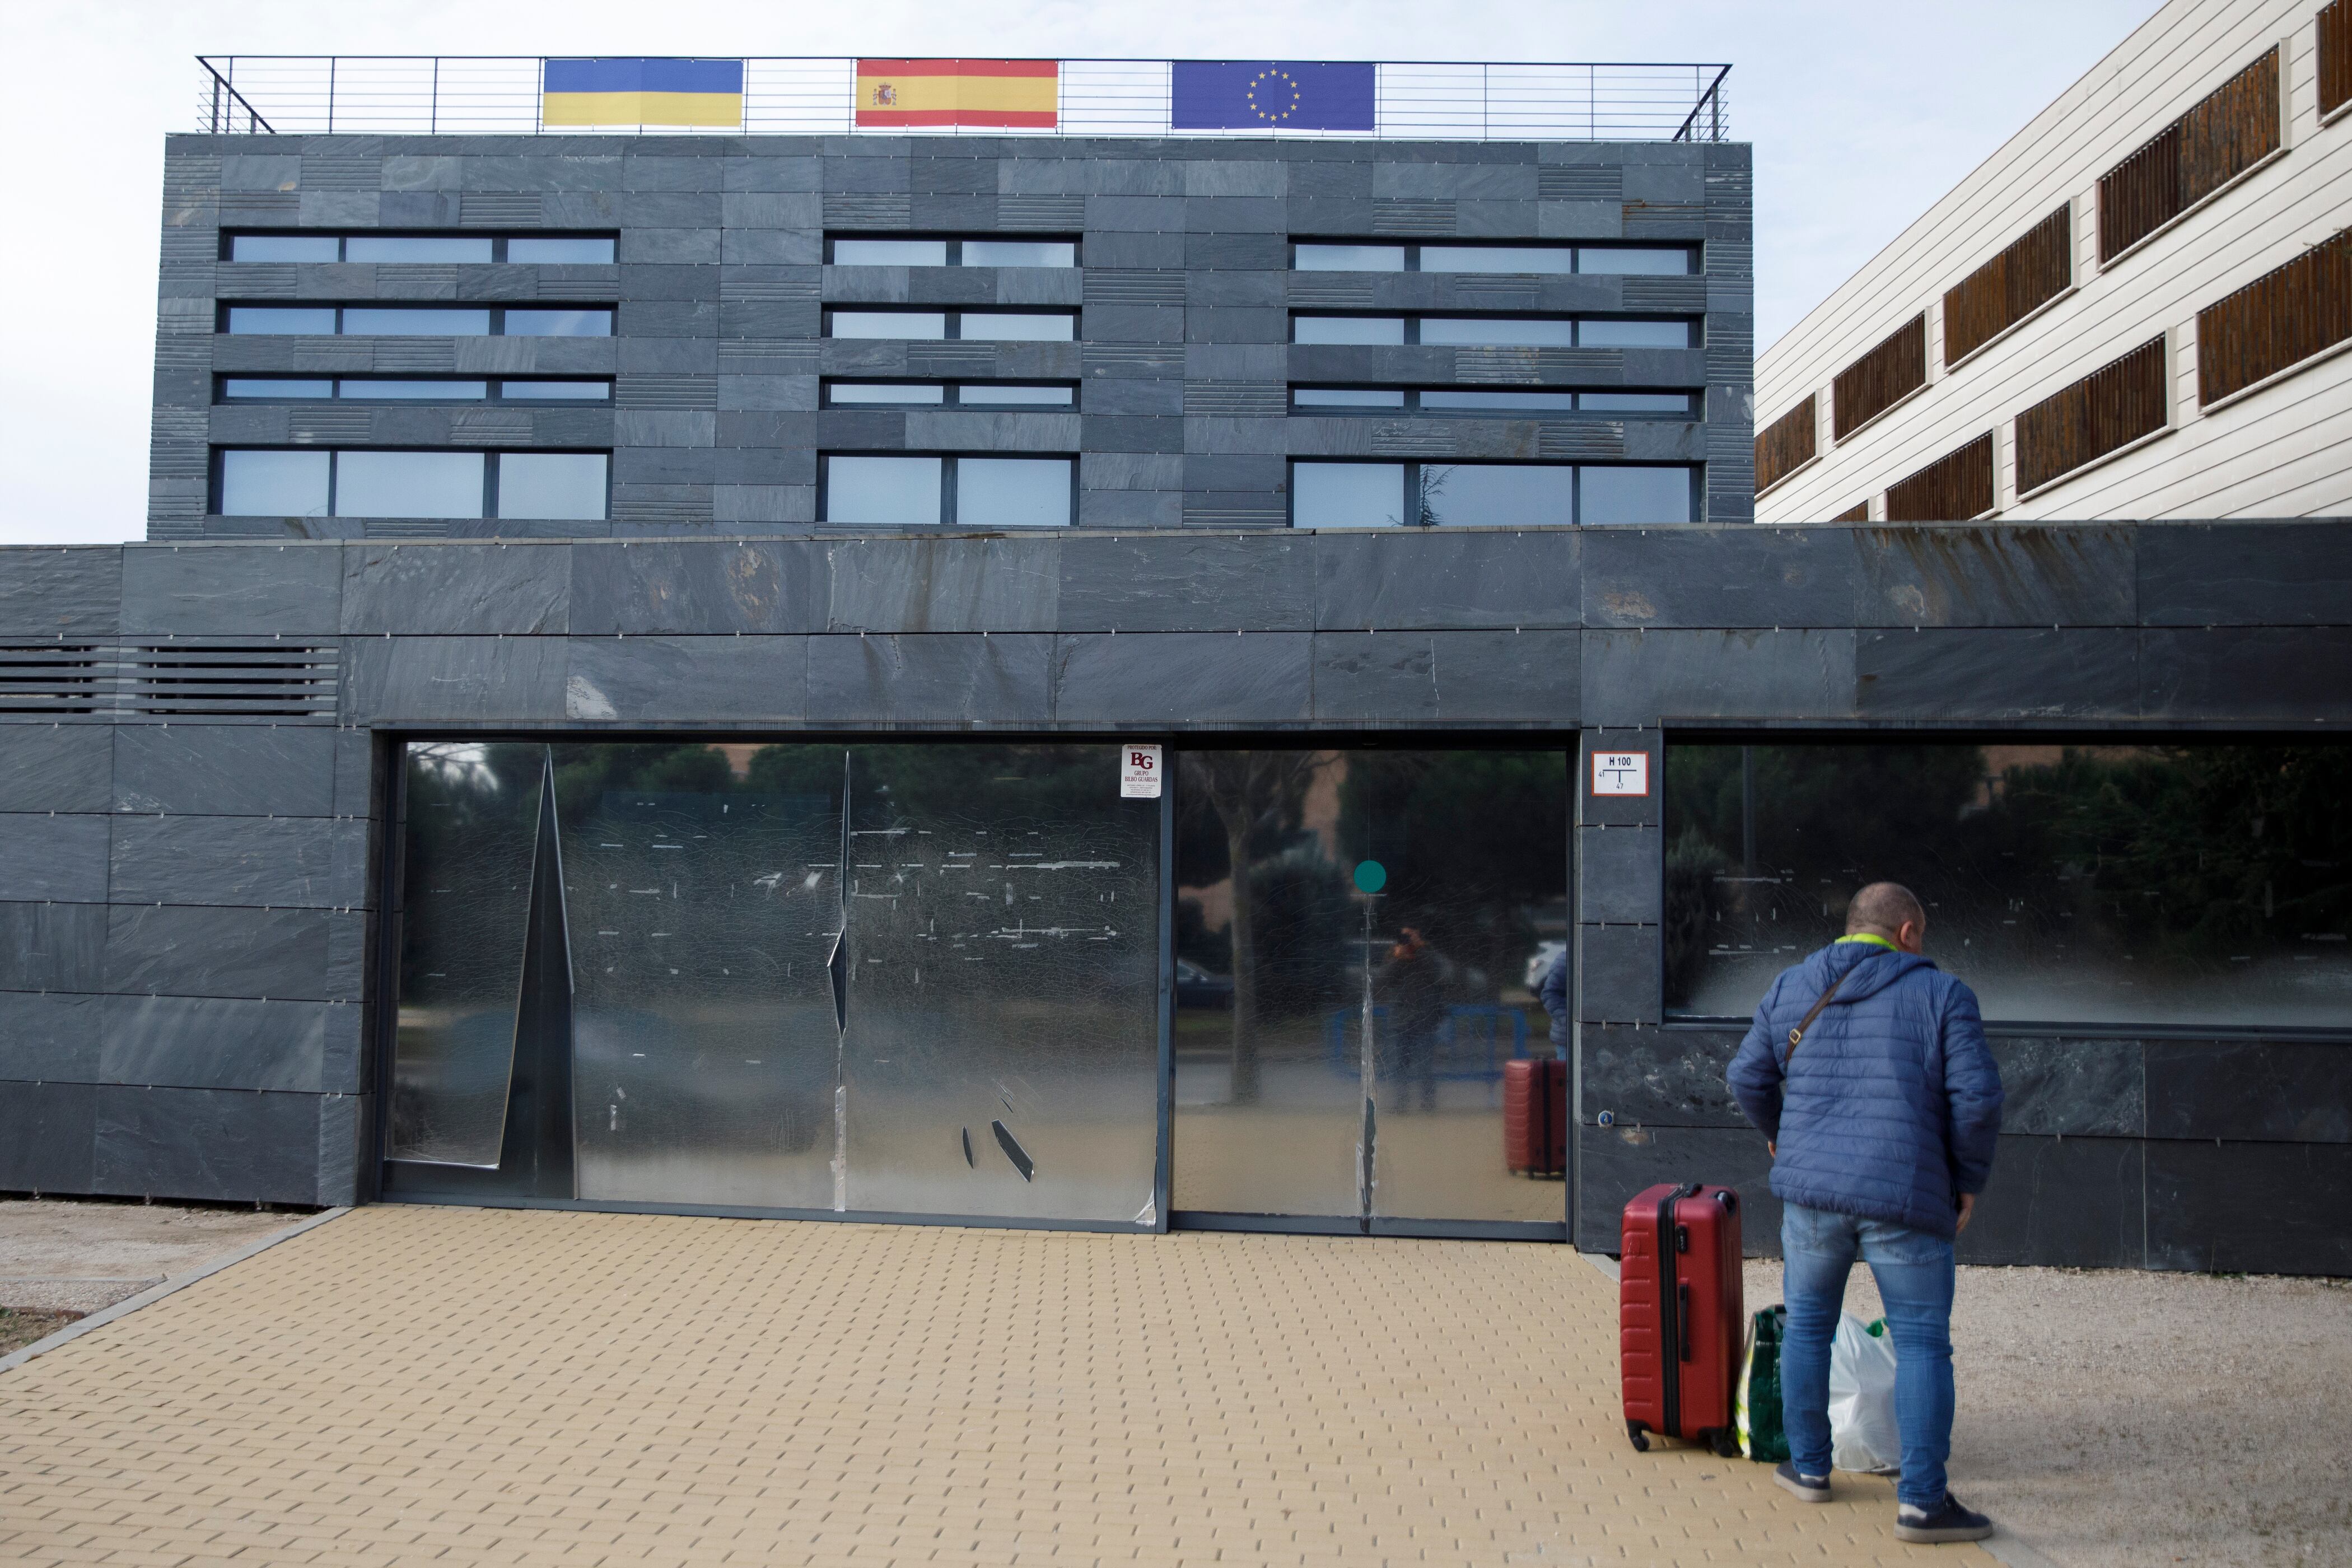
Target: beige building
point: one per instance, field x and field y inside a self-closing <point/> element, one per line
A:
<point x="2136" y="308"/>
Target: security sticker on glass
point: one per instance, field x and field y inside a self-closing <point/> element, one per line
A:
<point x="1620" y="772"/>
<point x="1139" y="772"/>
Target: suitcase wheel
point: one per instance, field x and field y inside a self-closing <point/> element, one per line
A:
<point x="1725" y="1441"/>
<point x="1640" y="1441"/>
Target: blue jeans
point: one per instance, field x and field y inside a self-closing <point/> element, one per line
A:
<point x="1914" y="1269"/>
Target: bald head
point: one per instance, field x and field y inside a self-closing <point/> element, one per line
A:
<point x="1883" y="908"/>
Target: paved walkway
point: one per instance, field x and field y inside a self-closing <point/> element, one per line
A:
<point x="404" y="1384"/>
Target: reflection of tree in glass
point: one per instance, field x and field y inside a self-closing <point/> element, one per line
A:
<point x="1253" y="794"/>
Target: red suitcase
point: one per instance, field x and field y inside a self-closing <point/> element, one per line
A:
<point x="1680" y="1314"/>
<point x="1535" y="1116"/>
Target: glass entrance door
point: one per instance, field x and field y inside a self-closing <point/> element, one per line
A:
<point x="1360" y="935"/>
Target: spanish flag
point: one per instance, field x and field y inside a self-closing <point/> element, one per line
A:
<point x="958" y="92"/>
<point x="635" y="91"/>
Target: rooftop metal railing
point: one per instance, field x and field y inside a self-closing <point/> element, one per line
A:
<point x="419" y="95"/>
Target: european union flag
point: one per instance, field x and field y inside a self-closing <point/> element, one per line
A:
<point x="1250" y="95"/>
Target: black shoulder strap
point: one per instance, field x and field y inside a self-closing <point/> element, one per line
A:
<point x="1797" y="1033"/>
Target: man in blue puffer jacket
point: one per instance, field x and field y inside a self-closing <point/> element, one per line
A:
<point x="1890" y="1105"/>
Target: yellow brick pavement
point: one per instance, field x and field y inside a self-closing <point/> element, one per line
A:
<point x="406" y="1386"/>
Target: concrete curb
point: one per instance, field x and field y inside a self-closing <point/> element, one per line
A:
<point x="2003" y="1548"/>
<point x="100" y="1319"/>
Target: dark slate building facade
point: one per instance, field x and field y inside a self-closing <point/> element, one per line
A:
<point x="656" y="848"/>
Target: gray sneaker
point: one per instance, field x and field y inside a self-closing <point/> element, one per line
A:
<point x="1949" y="1521"/>
<point x="1805" y="1489"/>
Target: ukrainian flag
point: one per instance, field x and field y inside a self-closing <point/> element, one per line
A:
<point x="642" y="92"/>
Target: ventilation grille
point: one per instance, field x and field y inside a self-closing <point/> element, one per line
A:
<point x="1664" y="293"/>
<point x="1403" y="215"/>
<point x="500" y="208"/>
<point x="175" y="680"/>
<point x="1134" y="286"/>
<point x="1520" y="366"/>
<point x="1569" y="182"/>
<point x="1306" y="290"/>
<point x="1040" y="212"/>
<point x="340" y="172"/>
<point x="844" y="209"/>
<point x="1253" y="400"/>
<point x="668" y="391"/>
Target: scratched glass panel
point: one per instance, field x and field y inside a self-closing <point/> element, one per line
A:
<point x="1269" y="1103"/>
<point x="702" y="888"/>
<point x="1003" y="1050"/>
<point x="472" y="822"/>
<point x="1474" y="849"/>
<point x="2201" y="885"/>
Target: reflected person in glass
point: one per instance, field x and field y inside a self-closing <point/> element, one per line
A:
<point x="1413" y="986"/>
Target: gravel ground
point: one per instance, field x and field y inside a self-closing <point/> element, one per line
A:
<point x="2114" y="1418"/>
<point x="19" y="1329"/>
<point x="79" y="1257"/>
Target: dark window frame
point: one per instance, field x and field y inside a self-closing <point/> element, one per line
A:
<point x="952" y="393"/>
<point x="1693" y="253"/>
<point x="344" y="237"/>
<point x="1412" y="403"/>
<point x="949" y="461"/>
<point x="1695" y="327"/>
<point x="497" y="312"/>
<point x="217" y="463"/>
<point x="494" y="396"/>
<point x="954" y="315"/>
<point x="954" y="239"/>
<point x="1412" y="467"/>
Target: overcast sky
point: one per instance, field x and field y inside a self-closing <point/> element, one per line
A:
<point x="1861" y="113"/>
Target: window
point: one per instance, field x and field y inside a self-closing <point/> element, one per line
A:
<point x="1511" y="332"/>
<point x="373" y="389"/>
<point x="1785" y="446"/>
<point x="2117" y="405"/>
<point x="1504" y="495"/>
<point x="2192" y="884"/>
<point x="1889" y="374"/>
<point x="1502" y="402"/>
<point x="543" y="250"/>
<point x="2278" y="321"/>
<point x="949" y="395"/>
<point x="861" y="251"/>
<point x="1003" y="326"/>
<point x="416" y="321"/>
<point x="2028" y="275"/>
<point x="976" y="492"/>
<point x="1954" y="488"/>
<point x="1320" y="256"/>
<point x="2225" y="134"/>
<point x="370" y="482"/>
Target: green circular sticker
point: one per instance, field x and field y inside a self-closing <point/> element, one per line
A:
<point x="1370" y="875"/>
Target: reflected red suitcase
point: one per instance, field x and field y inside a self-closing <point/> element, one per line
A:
<point x="1535" y="1116"/>
<point x="1680" y="1315"/>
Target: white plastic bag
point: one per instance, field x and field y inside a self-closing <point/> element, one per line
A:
<point x="1862" y="1433"/>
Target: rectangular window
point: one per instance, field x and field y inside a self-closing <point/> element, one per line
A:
<point x="1892" y="371"/>
<point x="409" y="484"/>
<point x="2275" y="322"/>
<point x="1509" y="331"/>
<point x="1003" y="326"/>
<point x="2221" y="136"/>
<point x="977" y="493"/>
<point x="1493" y="495"/>
<point x="2110" y="408"/>
<point x="2335" y="51"/>
<point x="948" y="394"/>
<point x="275" y="484"/>
<point x="847" y="251"/>
<point x="395" y="249"/>
<point x="557" y="487"/>
<point x="1954" y="488"/>
<point x="1786" y="444"/>
<point x="2029" y="274"/>
<point x="2197" y="884"/>
<point x="1346" y="329"/>
<point x="443" y="389"/>
<point x="364" y="482"/>
<point x="415" y="320"/>
<point x="1325" y="256"/>
<point x="1493" y="403"/>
